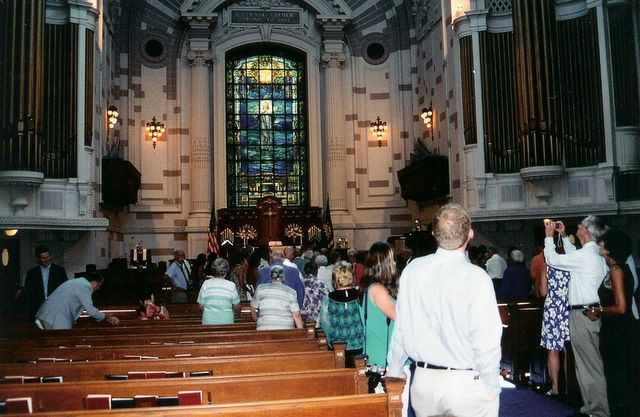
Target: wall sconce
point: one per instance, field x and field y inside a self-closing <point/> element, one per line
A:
<point x="155" y="129"/>
<point x="11" y="232"/>
<point x="112" y="116"/>
<point x="379" y="128"/>
<point x="427" y="118"/>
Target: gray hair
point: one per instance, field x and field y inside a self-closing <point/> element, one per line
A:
<point x="277" y="273"/>
<point x="308" y="254"/>
<point x="517" y="256"/>
<point x="321" y="260"/>
<point x="595" y="227"/>
<point x="220" y="268"/>
<point x="352" y="252"/>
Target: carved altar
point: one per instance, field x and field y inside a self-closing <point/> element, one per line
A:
<point x="270" y="221"/>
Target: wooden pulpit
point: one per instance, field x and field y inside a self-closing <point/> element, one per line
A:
<point x="270" y="219"/>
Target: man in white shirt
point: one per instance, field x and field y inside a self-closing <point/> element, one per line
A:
<point x="588" y="270"/>
<point x="447" y="322"/>
<point x="180" y="275"/>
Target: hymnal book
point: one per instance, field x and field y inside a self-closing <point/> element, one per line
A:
<point x="21" y="379"/>
<point x="200" y="373"/>
<point x="132" y="357"/>
<point x="14" y="379"/>
<point x="46" y="359"/>
<point x="117" y="377"/>
<point x="168" y="343"/>
<point x="156" y="343"/>
<point x="137" y="375"/>
<point x="87" y="346"/>
<point x="182" y="355"/>
<point x="156" y="374"/>
<point x="142" y="401"/>
<point x="19" y="405"/>
<point x="122" y="402"/>
<point x="187" y="342"/>
<point x="48" y="379"/>
<point x="98" y="402"/>
<point x="167" y="401"/>
<point x="148" y="357"/>
<point x="174" y="374"/>
<point x="190" y="397"/>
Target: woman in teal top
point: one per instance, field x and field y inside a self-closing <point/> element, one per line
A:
<point x="340" y="315"/>
<point x="378" y="307"/>
<point x="218" y="297"/>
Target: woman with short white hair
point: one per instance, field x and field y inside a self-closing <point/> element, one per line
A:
<point x="218" y="297"/>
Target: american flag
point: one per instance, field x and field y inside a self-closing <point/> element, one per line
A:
<point x="212" y="241"/>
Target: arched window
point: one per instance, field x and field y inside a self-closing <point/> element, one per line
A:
<point x="266" y="127"/>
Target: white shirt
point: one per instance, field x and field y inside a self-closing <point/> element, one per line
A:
<point x="586" y="266"/>
<point x="291" y="264"/>
<point x="632" y="267"/>
<point x="179" y="274"/>
<point x="496" y="266"/>
<point x="447" y="315"/>
<point x="324" y="274"/>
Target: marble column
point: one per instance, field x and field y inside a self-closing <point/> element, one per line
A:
<point x="200" y="58"/>
<point x="336" y="154"/>
<point x="199" y="132"/>
<point x="333" y="60"/>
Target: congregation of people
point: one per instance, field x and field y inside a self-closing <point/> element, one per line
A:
<point x="432" y="318"/>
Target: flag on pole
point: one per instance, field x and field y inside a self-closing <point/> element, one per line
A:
<point x="212" y="241"/>
<point x="327" y="225"/>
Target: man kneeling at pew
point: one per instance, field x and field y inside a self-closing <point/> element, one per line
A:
<point x="447" y="322"/>
<point x="63" y="307"/>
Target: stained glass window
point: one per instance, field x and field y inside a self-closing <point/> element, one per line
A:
<point x="266" y="128"/>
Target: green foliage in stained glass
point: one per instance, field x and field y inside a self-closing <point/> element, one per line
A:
<point x="265" y="135"/>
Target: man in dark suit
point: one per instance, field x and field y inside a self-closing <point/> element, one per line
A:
<point x="44" y="276"/>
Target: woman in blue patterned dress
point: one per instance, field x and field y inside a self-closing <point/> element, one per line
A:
<point x="554" y="284"/>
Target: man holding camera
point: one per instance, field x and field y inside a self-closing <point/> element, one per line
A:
<point x="587" y="269"/>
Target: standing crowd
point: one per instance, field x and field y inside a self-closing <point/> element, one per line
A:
<point x="432" y="318"/>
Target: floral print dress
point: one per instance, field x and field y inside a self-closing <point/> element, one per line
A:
<point x="555" y="317"/>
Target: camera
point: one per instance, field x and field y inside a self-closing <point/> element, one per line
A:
<point x="556" y="223"/>
<point x="374" y="374"/>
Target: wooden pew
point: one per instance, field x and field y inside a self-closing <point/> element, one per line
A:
<point x="8" y="355"/>
<point x="138" y="327"/>
<point x="520" y="338"/>
<point x="223" y="365"/>
<point x="134" y="338"/>
<point x="215" y="390"/>
<point x="367" y="405"/>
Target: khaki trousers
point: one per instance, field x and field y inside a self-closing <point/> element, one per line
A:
<point x="436" y="392"/>
<point x="585" y="342"/>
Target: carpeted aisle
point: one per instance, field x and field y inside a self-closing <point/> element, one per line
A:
<point x="523" y="402"/>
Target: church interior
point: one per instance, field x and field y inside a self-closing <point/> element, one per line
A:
<point x="132" y="129"/>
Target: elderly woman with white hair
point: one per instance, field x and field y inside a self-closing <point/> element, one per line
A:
<point x="218" y="297"/>
<point x="516" y="280"/>
<point x="324" y="271"/>
<point x="275" y="305"/>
